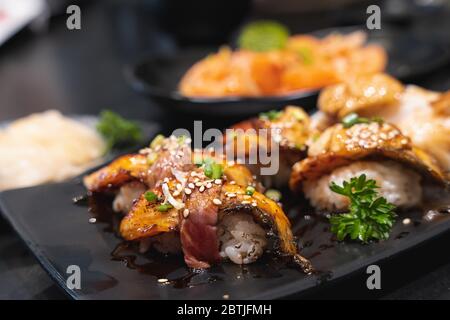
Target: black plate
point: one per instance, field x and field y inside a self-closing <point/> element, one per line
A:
<point x="59" y="235"/>
<point x="157" y="77"/>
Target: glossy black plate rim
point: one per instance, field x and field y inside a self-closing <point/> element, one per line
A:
<point x="339" y="273"/>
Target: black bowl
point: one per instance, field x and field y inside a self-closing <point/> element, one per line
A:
<point x="157" y="76"/>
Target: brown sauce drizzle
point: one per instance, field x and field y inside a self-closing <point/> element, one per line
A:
<point x="311" y="230"/>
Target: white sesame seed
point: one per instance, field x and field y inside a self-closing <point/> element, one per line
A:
<point x="179" y="187"/>
<point x="202" y="188"/>
<point x="209" y="185"/>
<point x="218" y="181"/>
<point x="185" y="213"/>
<point x="176" y="193"/>
<point x="163" y="280"/>
<point x="217" y="201"/>
<point x="231" y="195"/>
<point x="191" y="185"/>
<point x="187" y="191"/>
<point x="245" y="202"/>
<point x="226" y="296"/>
<point x="254" y="204"/>
<point x="232" y="182"/>
<point x="198" y="184"/>
<point x="193" y="174"/>
<point x="406" y="221"/>
<point x="92" y="220"/>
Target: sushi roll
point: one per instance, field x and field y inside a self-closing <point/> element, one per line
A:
<point x="195" y="203"/>
<point x="377" y="149"/>
<point x="422" y="115"/>
<point x="288" y="131"/>
<point x="214" y="221"/>
<point x="131" y="175"/>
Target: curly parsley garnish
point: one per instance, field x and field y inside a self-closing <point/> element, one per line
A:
<point x="117" y="131"/>
<point x="370" y="216"/>
<point x="351" y="119"/>
<point x="263" y="36"/>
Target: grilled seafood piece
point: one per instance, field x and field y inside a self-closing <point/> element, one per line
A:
<point x="172" y="206"/>
<point x="377" y="149"/>
<point x="287" y="130"/>
<point x="131" y="175"/>
<point x="214" y="220"/>
<point x="422" y="115"/>
<point x="165" y="157"/>
<point x="360" y="93"/>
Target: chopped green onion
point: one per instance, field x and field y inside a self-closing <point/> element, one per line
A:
<point x="157" y="141"/>
<point x="273" y="194"/>
<point x="213" y="170"/>
<point x="315" y="137"/>
<point x="198" y="160"/>
<point x="270" y="115"/>
<point x="351" y="119"/>
<point x="150" y="196"/>
<point x="164" y="207"/>
<point x="250" y="190"/>
<point x="151" y="158"/>
<point x="299" y="116"/>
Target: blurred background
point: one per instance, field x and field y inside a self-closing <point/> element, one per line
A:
<point x="44" y="65"/>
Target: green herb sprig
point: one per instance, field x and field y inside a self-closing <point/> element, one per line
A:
<point x="117" y="131"/>
<point x="369" y="216"/>
<point x="263" y="35"/>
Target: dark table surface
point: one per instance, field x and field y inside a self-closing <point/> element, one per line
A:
<point x="82" y="72"/>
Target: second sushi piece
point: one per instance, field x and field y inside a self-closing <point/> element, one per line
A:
<point x="377" y="149"/>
